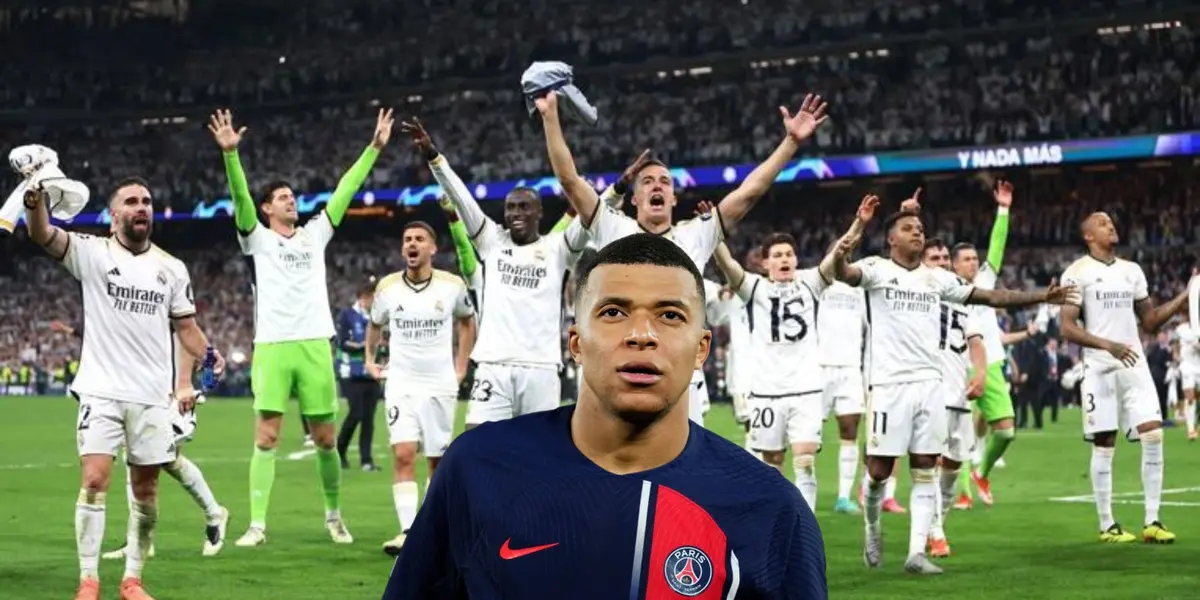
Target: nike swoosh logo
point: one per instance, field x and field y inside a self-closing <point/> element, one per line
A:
<point x="508" y="553"/>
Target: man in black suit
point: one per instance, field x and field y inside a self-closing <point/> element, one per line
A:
<point x="1034" y="380"/>
<point x="1158" y="357"/>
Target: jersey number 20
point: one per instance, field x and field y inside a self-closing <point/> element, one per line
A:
<point x="783" y="312"/>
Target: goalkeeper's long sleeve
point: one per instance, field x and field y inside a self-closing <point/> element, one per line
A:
<point x="562" y="223"/>
<point x="468" y="209"/>
<point x="335" y="209"/>
<point x="462" y="247"/>
<point x="244" y="216"/>
<point x="995" y="253"/>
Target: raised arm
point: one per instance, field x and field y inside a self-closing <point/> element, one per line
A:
<point x="462" y="240"/>
<point x="465" y="328"/>
<point x="799" y="128"/>
<point x="349" y="184"/>
<point x="1055" y="294"/>
<point x="729" y="267"/>
<point x="1016" y="337"/>
<point x="1073" y="332"/>
<point x="579" y="192"/>
<point x="978" y="356"/>
<point x="245" y="216"/>
<point x="836" y="264"/>
<point x="996" y="244"/>
<point x="53" y="240"/>
<point x="452" y="185"/>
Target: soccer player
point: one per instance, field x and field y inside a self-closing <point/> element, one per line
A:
<point x="1188" y="340"/>
<point x="424" y="309"/>
<point x="133" y="294"/>
<point x="183" y="426"/>
<point x="293" y="324"/>
<point x="841" y="327"/>
<point x="619" y="484"/>
<point x="785" y="400"/>
<point x="964" y="363"/>
<point x="1118" y="392"/>
<point x="360" y="389"/>
<point x="739" y="362"/>
<point x="653" y="188"/>
<point x="906" y="410"/>
<point x="519" y="350"/>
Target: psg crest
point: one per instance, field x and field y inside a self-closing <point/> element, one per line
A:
<point x="688" y="571"/>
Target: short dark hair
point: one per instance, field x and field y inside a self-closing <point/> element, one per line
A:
<point x="128" y="181"/>
<point x="774" y="239"/>
<point x="368" y="287"/>
<point x="640" y="249"/>
<point x="959" y="247"/>
<point x="653" y="162"/>
<point x="893" y="218"/>
<point x="420" y="225"/>
<point x="274" y="186"/>
<point x="934" y="243"/>
<point x="524" y="189"/>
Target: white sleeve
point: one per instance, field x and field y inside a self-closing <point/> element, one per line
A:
<point x="974" y="325"/>
<point x="872" y="273"/>
<point x="1073" y="277"/>
<point x="255" y="241"/>
<point x="480" y="228"/>
<point x="183" y="304"/>
<point x="749" y="284"/>
<point x="574" y="239"/>
<point x="379" y="311"/>
<point x="610" y="225"/>
<point x="1141" y="290"/>
<point x="462" y="302"/>
<point x="714" y="308"/>
<point x="320" y="228"/>
<point x="699" y="236"/>
<point x="951" y="288"/>
<point x="81" y="254"/>
<point x="814" y="280"/>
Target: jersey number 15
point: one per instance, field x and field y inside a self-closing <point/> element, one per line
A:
<point x="782" y="312"/>
<point x="952" y="320"/>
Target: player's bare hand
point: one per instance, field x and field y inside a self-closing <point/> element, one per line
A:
<point x="913" y="203"/>
<point x="1126" y="354"/>
<point x="1032" y="328"/>
<point x="975" y="387"/>
<point x="376" y="371"/>
<point x="185" y="400"/>
<point x="35" y="196"/>
<point x="547" y="105"/>
<point x="1003" y="193"/>
<point x="447" y="207"/>
<point x="218" y="365"/>
<point x="845" y="246"/>
<point x="1058" y="294"/>
<point x="221" y="126"/>
<point x="383" y="129"/>
<point x="704" y="207"/>
<point x="810" y="116"/>
<point x="420" y="138"/>
<point x="60" y="327"/>
<point x="635" y="167"/>
<point x="866" y="208"/>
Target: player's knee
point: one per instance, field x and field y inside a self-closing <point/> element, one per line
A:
<point x="848" y="428"/>
<point x="878" y="471"/>
<point x="266" y="435"/>
<point x="1154" y="436"/>
<point x="804" y="463"/>
<point x="94" y="481"/>
<point x="1007" y="433"/>
<point x="774" y="459"/>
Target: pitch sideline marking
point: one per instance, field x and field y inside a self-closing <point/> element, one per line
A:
<point x="1131" y="497"/>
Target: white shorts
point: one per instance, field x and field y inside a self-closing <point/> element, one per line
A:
<point x="698" y="401"/>
<point x="144" y="430"/>
<point x="843" y="394"/>
<point x="776" y="421"/>
<point x="960" y="435"/>
<point x="503" y="391"/>
<point x="741" y="407"/>
<point x="427" y="420"/>
<point x="906" y="418"/>
<point x="1189" y="378"/>
<point x="1118" y="400"/>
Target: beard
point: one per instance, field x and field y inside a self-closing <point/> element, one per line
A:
<point x="134" y="235"/>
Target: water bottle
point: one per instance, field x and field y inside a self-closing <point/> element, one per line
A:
<point x="208" y="379"/>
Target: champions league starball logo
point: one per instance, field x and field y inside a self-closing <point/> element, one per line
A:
<point x="688" y="571"/>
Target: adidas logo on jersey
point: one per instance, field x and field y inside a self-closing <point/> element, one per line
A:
<point x="115" y="272"/>
<point x="506" y="252"/>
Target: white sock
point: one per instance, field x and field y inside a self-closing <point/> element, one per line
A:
<point x="142" y="518"/>
<point x="404" y="494"/>
<point x="806" y="478"/>
<point x="1152" y="472"/>
<point x="188" y="474"/>
<point x="923" y="504"/>
<point x="847" y="466"/>
<point x="746" y="444"/>
<point x="1102" y="459"/>
<point x="889" y="493"/>
<point x="874" y="502"/>
<point x="89" y="532"/>
<point x="1189" y="414"/>
<point x="945" y="501"/>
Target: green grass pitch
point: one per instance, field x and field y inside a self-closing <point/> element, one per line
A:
<point x="1027" y="546"/>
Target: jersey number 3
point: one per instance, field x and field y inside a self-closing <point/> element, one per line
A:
<point x="784" y="312"/>
<point x="952" y="320"/>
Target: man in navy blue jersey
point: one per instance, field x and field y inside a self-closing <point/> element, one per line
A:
<point x="619" y="496"/>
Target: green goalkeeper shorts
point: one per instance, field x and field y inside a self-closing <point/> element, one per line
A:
<point x="995" y="403"/>
<point x="302" y="369"/>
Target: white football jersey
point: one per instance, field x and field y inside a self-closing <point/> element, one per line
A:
<point x="993" y="344"/>
<point x="522" y="297"/>
<point x="420" y="319"/>
<point x="1189" y="347"/>
<point x="783" y="332"/>
<point x="739" y="367"/>
<point x="958" y="324"/>
<point x="697" y="237"/>
<point x="714" y="309"/>
<point x="1107" y="293"/>
<point x="841" y="325"/>
<point x="904" y="308"/>
<point x="129" y="301"/>
<point x="291" y="298"/>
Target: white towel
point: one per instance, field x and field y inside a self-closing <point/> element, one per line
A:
<point x="39" y="166"/>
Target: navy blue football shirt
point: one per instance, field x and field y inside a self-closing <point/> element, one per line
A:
<point x="516" y="511"/>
